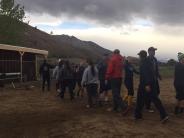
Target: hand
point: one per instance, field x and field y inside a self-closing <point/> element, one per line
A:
<point x="160" y="77"/>
<point x="106" y="82"/>
<point x="147" y="88"/>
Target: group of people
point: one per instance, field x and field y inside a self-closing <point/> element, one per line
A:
<point x="67" y="75"/>
<point x="109" y="74"/>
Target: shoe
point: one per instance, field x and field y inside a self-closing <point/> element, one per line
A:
<point x="88" y="106"/>
<point x="181" y="110"/>
<point x="138" y="118"/>
<point x="126" y="111"/>
<point x="176" y="110"/>
<point x="150" y="111"/>
<point x="106" y="99"/>
<point x="112" y="109"/>
<point x="58" y="90"/>
<point x="109" y="109"/>
<point x="165" y="119"/>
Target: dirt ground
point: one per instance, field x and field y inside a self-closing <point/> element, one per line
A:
<point x="34" y="114"/>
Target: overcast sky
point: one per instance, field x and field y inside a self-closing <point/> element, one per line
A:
<point x="130" y="25"/>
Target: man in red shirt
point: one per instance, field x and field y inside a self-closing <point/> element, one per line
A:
<point x="115" y="74"/>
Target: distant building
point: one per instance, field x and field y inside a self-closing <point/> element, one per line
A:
<point x="20" y="61"/>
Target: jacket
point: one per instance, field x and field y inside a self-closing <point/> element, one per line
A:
<point x="179" y="75"/>
<point x="115" y="67"/>
<point x="146" y="73"/>
<point x="88" y="78"/>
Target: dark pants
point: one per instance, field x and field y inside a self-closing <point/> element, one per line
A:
<point x="142" y="95"/>
<point x="64" y="84"/>
<point x="57" y="84"/>
<point x="92" y="93"/>
<point x="130" y="87"/>
<point x="103" y="86"/>
<point x="116" y="89"/>
<point x="46" y="79"/>
<point x="155" y="89"/>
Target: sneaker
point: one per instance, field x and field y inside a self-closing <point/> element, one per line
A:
<point x="151" y="111"/>
<point x="106" y="99"/>
<point x="110" y="109"/>
<point x="126" y="111"/>
<point x="138" y="119"/>
<point x="165" y="119"/>
<point x="58" y="90"/>
<point x="88" y="106"/>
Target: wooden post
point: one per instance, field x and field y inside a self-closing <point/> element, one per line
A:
<point x="21" y="65"/>
<point x="36" y="67"/>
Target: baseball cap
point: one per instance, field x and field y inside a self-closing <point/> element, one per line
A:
<point x="142" y="53"/>
<point x="152" y="49"/>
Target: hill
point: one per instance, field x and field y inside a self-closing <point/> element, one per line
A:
<point x="57" y="45"/>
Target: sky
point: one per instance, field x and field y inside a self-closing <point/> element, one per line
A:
<point x="128" y="25"/>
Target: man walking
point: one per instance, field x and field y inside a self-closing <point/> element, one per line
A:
<point x="155" y="71"/>
<point x="148" y="85"/>
<point x="45" y="74"/>
<point x="115" y="74"/>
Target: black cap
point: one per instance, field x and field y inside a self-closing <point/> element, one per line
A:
<point x="152" y="49"/>
<point x="142" y="53"/>
<point x="106" y="54"/>
<point x="116" y="51"/>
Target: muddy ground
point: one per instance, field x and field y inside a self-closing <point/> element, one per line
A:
<point x="34" y="114"/>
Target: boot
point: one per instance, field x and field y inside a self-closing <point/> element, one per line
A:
<point x="125" y="98"/>
<point x="129" y="107"/>
<point x="176" y="110"/>
<point x="130" y="101"/>
<point x="181" y="110"/>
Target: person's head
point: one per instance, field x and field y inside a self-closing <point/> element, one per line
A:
<point x="59" y="60"/>
<point x="116" y="51"/>
<point x="181" y="57"/>
<point x="60" y="63"/>
<point x="90" y="62"/>
<point x="142" y="54"/>
<point x="105" y="55"/>
<point x="151" y="51"/>
<point x="45" y="61"/>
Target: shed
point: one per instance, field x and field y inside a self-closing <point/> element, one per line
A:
<point x="20" y="60"/>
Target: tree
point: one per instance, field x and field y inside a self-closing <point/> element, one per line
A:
<point x="11" y="22"/>
<point x="171" y="62"/>
<point x="12" y="10"/>
<point x="51" y="33"/>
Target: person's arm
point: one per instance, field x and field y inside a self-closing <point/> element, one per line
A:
<point x="55" y="72"/>
<point x="158" y="71"/>
<point x="147" y="72"/>
<point x="135" y="71"/>
<point x="97" y="71"/>
<point x="175" y="76"/>
<point x="84" y="77"/>
<point x="41" y="69"/>
<point x="109" y="70"/>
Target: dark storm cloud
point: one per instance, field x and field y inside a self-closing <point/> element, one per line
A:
<point x="168" y="12"/>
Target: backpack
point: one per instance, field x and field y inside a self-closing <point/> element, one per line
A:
<point x="64" y="73"/>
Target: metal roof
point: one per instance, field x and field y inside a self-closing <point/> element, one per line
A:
<point x="23" y="49"/>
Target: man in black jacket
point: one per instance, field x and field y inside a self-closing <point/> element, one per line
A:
<point x="179" y="84"/>
<point x="147" y="85"/>
<point x="156" y="75"/>
<point x="45" y="74"/>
